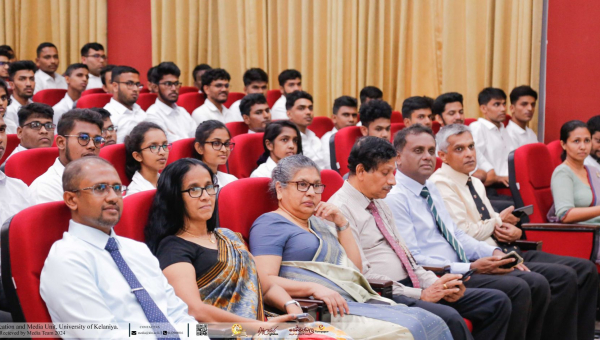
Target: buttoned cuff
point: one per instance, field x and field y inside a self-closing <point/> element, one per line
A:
<point x="459" y="267"/>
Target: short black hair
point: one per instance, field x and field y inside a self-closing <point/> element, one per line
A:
<point x="344" y="101"/>
<point x="522" y="91"/>
<point x="74" y="67"/>
<point x="8" y="48"/>
<point x="490" y="93"/>
<point x="163" y="69"/>
<point x="44" y="45"/>
<point x="91" y="46"/>
<point x="439" y="104"/>
<point x="133" y="142"/>
<point x="150" y="73"/>
<point x="373" y="110"/>
<point x="415" y="129"/>
<point x="105" y="69"/>
<point x="411" y="104"/>
<point x="20" y="65"/>
<point x="370" y="152"/>
<point x="294" y="96"/>
<point x="255" y="74"/>
<point x="198" y="68"/>
<point x="251" y="100"/>
<point x="37" y="109"/>
<point x="286" y="75"/>
<point x="594" y="124"/>
<point x="272" y="131"/>
<point x="370" y="92"/>
<point x="118" y="70"/>
<point x="214" y="74"/>
<point x="565" y="133"/>
<point x="102" y="111"/>
<point x="6" y="53"/>
<point x="67" y="121"/>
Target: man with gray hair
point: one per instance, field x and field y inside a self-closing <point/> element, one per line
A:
<point x="573" y="281"/>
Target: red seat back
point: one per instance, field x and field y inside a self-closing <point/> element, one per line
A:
<point x="191" y="101"/>
<point x="12" y="141"/>
<point x="438" y="163"/>
<point x="145" y="100"/>
<point x="233" y="97"/>
<point x="396" y="117"/>
<point x="145" y="90"/>
<point x="435" y="126"/>
<point x="333" y="182"/>
<point x="321" y="125"/>
<point x="394" y="129"/>
<point x="344" y="141"/>
<point x="468" y="121"/>
<point x="183" y="148"/>
<point x="49" y="97"/>
<point x="93" y="100"/>
<point x="187" y="89"/>
<point x="237" y="128"/>
<point x="136" y="209"/>
<point x="507" y="119"/>
<point x="555" y="150"/>
<point x="92" y="91"/>
<point x="28" y="165"/>
<point x="247" y="150"/>
<point x="272" y="97"/>
<point x="115" y="154"/>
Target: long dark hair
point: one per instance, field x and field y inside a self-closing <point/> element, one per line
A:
<point x="167" y="213"/>
<point x="133" y="143"/>
<point x="204" y="130"/>
<point x="272" y="131"/>
<point x="565" y="133"/>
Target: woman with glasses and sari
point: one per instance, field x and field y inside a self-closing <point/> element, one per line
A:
<point x="306" y="247"/>
<point x="146" y="150"/>
<point x="213" y="147"/>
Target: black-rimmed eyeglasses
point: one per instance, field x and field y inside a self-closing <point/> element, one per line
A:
<point x="304" y="186"/>
<point x="156" y="148"/>
<point x="196" y="192"/>
<point x="84" y="139"/>
<point x="38" y="126"/>
<point x="102" y="189"/>
<point x="217" y="145"/>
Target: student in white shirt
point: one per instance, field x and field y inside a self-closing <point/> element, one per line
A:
<point x="109" y="131"/>
<point x="593" y="160"/>
<point x="281" y="139"/>
<point x="199" y="70"/>
<point x="255" y="81"/>
<point x="125" y="113"/>
<point x="376" y="119"/>
<point x="146" y="150"/>
<point x="345" y="113"/>
<point x="215" y="86"/>
<point x="213" y="147"/>
<point x="11" y="127"/>
<point x="106" y="78"/>
<point x="93" y="55"/>
<point x="95" y="259"/>
<point x="22" y="81"/>
<point x="76" y="76"/>
<point x="417" y="110"/>
<point x="289" y="81"/>
<point x="173" y="119"/>
<point x="79" y="135"/>
<point x="522" y="106"/>
<point x="36" y="129"/>
<point x="256" y="112"/>
<point x="47" y="62"/>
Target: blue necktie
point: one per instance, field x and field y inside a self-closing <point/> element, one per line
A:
<point x="151" y="310"/>
<point x="447" y="235"/>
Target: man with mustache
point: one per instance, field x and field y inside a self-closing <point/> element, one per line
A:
<point x="47" y="62"/>
<point x="36" y="129"/>
<point x="111" y="279"/>
<point x="522" y="107"/>
<point x="22" y="80"/>
<point x="77" y="76"/>
<point x="255" y="112"/>
<point x="215" y="86"/>
<point x="93" y="55"/>
<point x="79" y="135"/>
<point x="124" y="111"/>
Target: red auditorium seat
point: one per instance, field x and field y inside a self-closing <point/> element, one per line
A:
<point x="12" y="141"/>
<point x="435" y="126"/>
<point x="49" y="97"/>
<point x="145" y="90"/>
<point x="115" y="154"/>
<point x="247" y="150"/>
<point x="93" y="100"/>
<point x="237" y="128"/>
<point x="190" y="101"/>
<point x="333" y="182"/>
<point x="187" y="89"/>
<point x="438" y="163"/>
<point x="468" y="121"/>
<point x="343" y="143"/>
<point x="395" y="128"/>
<point x="184" y="148"/>
<point x="233" y="97"/>
<point x="135" y="215"/>
<point x="397" y="117"/>
<point x="321" y="125"/>
<point x="20" y="165"/>
<point x="507" y="119"/>
<point x="92" y="91"/>
<point x="145" y="100"/>
<point x="555" y="150"/>
<point x="272" y="97"/>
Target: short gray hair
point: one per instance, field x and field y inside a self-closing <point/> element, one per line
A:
<point x="287" y="168"/>
<point x="448" y="131"/>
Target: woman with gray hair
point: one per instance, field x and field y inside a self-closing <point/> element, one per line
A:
<point x="306" y="247"/>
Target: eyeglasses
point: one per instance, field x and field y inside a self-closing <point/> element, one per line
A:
<point x="196" y="192"/>
<point x="131" y="85"/>
<point x="4" y="63"/>
<point x="110" y="129"/>
<point x="156" y="148"/>
<point x="102" y="189"/>
<point x="97" y="56"/>
<point x="169" y="84"/>
<point x="84" y="139"/>
<point x="217" y="146"/>
<point x="304" y="186"/>
<point x="38" y="126"/>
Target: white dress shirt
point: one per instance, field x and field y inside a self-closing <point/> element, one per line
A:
<point x="176" y="121"/>
<point x="48" y="187"/>
<point x="94" y="82"/>
<point x="235" y="112"/>
<point x="18" y="149"/>
<point x="14" y="197"/>
<point x="519" y="136"/>
<point x="13" y="109"/>
<point x="11" y="127"/>
<point x="138" y="184"/>
<point x="44" y="81"/>
<point x="311" y="148"/>
<point x="123" y="118"/>
<point x="208" y="111"/>
<point x="423" y="237"/>
<point x="80" y="282"/>
<point x="223" y="179"/>
<point x="265" y="169"/>
<point x="325" y="145"/>
<point x="494" y="144"/>
<point x="591" y="162"/>
<point x="278" y="111"/>
<point x="62" y="107"/>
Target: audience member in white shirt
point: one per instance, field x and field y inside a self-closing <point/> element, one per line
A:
<point x="106" y="78"/>
<point x="147" y="150"/>
<point x="289" y="81"/>
<point x="199" y="70"/>
<point x="345" y="113"/>
<point x="255" y="81"/>
<point x="79" y="135"/>
<point x="256" y="112"/>
<point x="522" y="106"/>
<point x="376" y="119"/>
<point x="124" y="112"/>
<point x="46" y="76"/>
<point x="417" y="110"/>
<point x="173" y="119"/>
<point x="213" y="147"/>
<point x="281" y="139"/>
<point x="11" y="127"/>
<point x="109" y="131"/>
<point x="93" y="55"/>
<point x="215" y="86"/>
<point x="76" y="77"/>
<point x="22" y="81"/>
<point x="36" y="129"/>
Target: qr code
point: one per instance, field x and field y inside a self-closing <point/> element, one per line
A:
<point x="201" y="329"/>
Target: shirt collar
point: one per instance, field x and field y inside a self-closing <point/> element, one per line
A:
<point x="490" y="125"/>
<point x="270" y="164"/>
<point x="45" y="76"/>
<point x="458" y="177"/>
<point x="164" y="108"/>
<point x="334" y="130"/>
<point x="212" y="106"/>
<point x="69" y="100"/>
<point x="355" y="196"/>
<point x="91" y="235"/>
<point x="516" y="128"/>
<point x="60" y="168"/>
<point x="16" y="102"/>
<point x="2" y="178"/>
<point x="308" y="134"/>
<point x="120" y="108"/>
<point x="409" y="183"/>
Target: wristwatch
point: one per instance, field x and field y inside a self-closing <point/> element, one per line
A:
<point x="343" y="228"/>
<point x="292" y="302"/>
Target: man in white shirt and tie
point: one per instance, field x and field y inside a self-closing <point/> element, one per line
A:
<point x="173" y="119"/>
<point x="255" y="81"/>
<point x="93" y="55"/>
<point x="76" y="76"/>
<point x="111" y="279"/>
<point x="289" y="81"/>
<point x="124" y="111"/>
<point x="256" y="112"/>
<point x="345" y="113"/>
<point x="215" y="86"/>
<point x="522" y="106"/>
<point x="47" y="62"/>
<point x="22" y="81"/>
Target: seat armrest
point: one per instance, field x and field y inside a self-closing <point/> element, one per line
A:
<point x="529" y="245"/>
<point x="382" y="287"/>
<point x="575" y="227"/>
<point x="439" y="271"/>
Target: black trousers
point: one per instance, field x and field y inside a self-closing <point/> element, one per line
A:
<point x="498" y="202"/>
<point x="488" y="310"/>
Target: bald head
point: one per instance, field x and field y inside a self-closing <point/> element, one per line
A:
<point x="78" y="169"/>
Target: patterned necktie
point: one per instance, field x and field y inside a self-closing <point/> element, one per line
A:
<point x="390" y="240"/>
<point x="438" y="220"/>
<point x="151" y="310"/>
<point x="483" y="212"/>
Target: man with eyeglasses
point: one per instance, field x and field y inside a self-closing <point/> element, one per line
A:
<point x="125" y="113"/>
<point x="22" y="80"/>
<point x="4" y="63"/>
<point x="76" y="76"/>
<point x="109" y="130"/>
<point x="47" y="62"/>
<point x="79" y="135"/>
<point x="173" y="119"/>
<point x="92" y="55"/>
<point x="215" y="86"/>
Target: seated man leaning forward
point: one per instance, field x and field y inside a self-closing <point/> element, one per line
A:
<point x="111" y="279"/>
